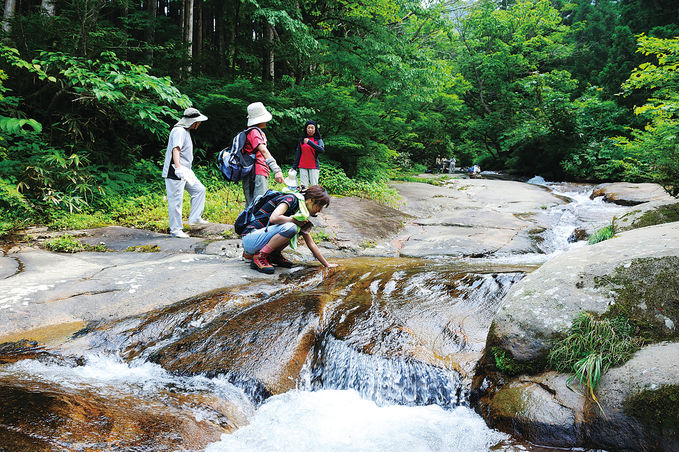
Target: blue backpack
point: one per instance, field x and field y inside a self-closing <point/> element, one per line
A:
<point x="247" y="216"/>
<point x="233" y="162"/>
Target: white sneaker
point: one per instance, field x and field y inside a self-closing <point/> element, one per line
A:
<point x="180" y="235"/>
<point x="198" y="221"/>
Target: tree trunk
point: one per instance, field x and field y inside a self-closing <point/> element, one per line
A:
<point x="10" y="7"/>
<point x="221" y="39"/>
<point x="268" y="63"/>
<point x="47" y="7"/>
<point x="188" y="29"/>
<point x="198" y="39"/>
<point x="232" y="38"/>
<point x="150" y="32"/>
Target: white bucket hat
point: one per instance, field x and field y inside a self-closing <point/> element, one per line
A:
<point x="191" y="115"/>
<point x="291" y="180"/>
<point x="257" y="114"/>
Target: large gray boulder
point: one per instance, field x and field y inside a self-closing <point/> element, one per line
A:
<point x="592" y="278"/>
<point x="640" y="403"/>
<point x="628" y="194"/>
<point x="637" y="411"/>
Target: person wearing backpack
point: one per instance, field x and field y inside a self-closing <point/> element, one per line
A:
<point x="276" y="222"/>
<point x="178" y="175"/>
<point x="257" y="182"/>
<point x="309" y="146"/>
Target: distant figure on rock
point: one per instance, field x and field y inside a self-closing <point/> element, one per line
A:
<point x="451" y="165"/>
<point x="306" y="158"/>
<point x="277" y="223"/>
<point x="257" y="182"/>
<point x="178" y="175"/>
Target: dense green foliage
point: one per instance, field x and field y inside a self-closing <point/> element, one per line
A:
<point x="568" y="90"/>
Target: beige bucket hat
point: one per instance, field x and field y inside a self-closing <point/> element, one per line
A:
<point x="190" y="116"/>
<point x="258" y="114"/>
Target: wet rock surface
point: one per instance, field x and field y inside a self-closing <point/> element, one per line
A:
<point x="47" y="416"/>
<point x="421" y="315"/>
<point x="324" y="328"/>
<point x="541" y="409"/>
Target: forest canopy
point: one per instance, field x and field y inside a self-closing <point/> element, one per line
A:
<point x="575" y="90"/>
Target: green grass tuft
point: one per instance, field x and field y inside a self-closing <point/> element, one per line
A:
<point x="591" y="347"/>
<point x="320" y="235"/>
<point x="602" y="234"/>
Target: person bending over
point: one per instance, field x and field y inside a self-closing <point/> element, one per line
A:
<point x="277" y="222"/>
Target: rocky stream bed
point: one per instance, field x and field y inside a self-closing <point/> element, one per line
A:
<point x="186" y="347"/>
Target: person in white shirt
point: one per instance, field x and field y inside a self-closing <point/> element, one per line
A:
<point x="178" y="175"/>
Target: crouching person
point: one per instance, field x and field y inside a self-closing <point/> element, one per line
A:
<point x="279" y="221"/>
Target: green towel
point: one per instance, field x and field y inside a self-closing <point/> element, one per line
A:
<point x="301" y="215"/>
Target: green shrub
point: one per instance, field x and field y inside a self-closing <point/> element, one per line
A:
<point x="336" y="182"/>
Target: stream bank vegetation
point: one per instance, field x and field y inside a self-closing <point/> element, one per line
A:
<point x="590" y="347"/>
<point x="88" y="91"/>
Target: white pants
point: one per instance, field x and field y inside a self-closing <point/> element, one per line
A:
<point x="308" y="177"/>
<point x="175" y="192"/>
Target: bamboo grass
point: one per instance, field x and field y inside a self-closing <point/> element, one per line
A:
<point x="590" y="348"/>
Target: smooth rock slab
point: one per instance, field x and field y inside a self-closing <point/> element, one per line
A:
<point x="473" y="217"/>
<point x="63" y="288"/>
<point x="456" y="241"/>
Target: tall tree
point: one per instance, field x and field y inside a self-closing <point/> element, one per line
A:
<point x="10" y="7"/>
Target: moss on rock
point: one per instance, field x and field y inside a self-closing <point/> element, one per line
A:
<point x="646" y="291"/>
<point x="656" y="407"/>
<point x="668" y="213"/>
<point x="507" y="365"/>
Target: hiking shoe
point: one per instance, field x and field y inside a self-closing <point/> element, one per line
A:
<point x="279" y="260"/>
<point x="180" y="235"/>
<point x="261" y="264"/>
<point x="246" y="256"/>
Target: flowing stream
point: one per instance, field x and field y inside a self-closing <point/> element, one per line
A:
<point x="378" y="356"/>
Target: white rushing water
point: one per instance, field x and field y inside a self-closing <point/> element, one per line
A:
<point x="324" y="420"/>
<point x="334" y="420"/>
<point x="581" y="213"/>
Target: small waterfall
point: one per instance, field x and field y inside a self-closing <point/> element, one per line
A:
<point x="385" y="381"/>
<point x="449" y="316"/>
